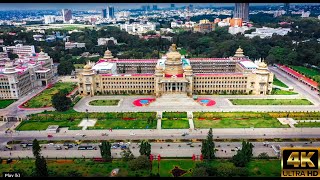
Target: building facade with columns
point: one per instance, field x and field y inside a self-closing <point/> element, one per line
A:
<point x="174" y="73"/>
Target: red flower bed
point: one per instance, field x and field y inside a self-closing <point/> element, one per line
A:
<point x="128" y="119"/>
<point x="201" y="119"/>
<point x="138" y="103"/>
<point x="210" y="103"/>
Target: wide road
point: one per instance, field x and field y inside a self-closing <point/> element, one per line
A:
<point x="227" y="133"/>
<point x="224" y="149"/>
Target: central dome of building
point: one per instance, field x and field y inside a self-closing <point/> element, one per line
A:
<point x="174" y="54"/>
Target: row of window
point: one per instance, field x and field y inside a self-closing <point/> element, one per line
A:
<point x="128" y="87"/>
<point x="127" y="79"/>
<point x="124" y="82"/>
<point x="219" y="86"/>
<point x="220" y="82"/>
<point x="210" y="78"/>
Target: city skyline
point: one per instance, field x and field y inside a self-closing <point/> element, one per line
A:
<point x="98" y="6"/>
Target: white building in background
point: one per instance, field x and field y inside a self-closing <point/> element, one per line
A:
<point x="71" y="45"/>
<point x="19" y="49"/>
<point x="137" y="28"/>
<point x="104" y="41"/>
<point x="305" y="14"/>
<point x="268" y="32"/>
<point x="49" y="19"/>
<point x="236" y="29"/>
<point x="123" y="14"/>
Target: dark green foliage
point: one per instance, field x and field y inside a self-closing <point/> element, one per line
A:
<point x="105" y="150"/>
<point x="127" y="155"/>
<point x="200" y="172"/>
<point x="41" y="167"/>
<point x="142" y="162"/>
<point x="145" y="148"/>
<point x="60" y="102"/>
<point x="36" y="149"/>
<point x="244" y="155"/>
<point x="208" y="147"/>
<point x="65" y="67"/>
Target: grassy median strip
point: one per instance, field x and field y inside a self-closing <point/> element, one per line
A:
<point x="270" y="102"/>
<point x="112" y="102"/>
<point x="124" y="124"/>
<point x="6" y="103"/>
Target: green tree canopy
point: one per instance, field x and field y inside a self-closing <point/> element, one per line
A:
<point x="60" y="102"/>
<point x="208" y="147"/>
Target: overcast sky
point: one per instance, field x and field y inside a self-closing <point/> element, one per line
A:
<point x="97" y="6"/>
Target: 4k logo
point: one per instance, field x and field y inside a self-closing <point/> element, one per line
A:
<point x="300" y="162"/>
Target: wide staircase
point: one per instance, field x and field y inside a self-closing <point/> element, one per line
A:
<point x="174" y="100"/>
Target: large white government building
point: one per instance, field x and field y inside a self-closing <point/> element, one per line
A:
<point x="174" y="73"/>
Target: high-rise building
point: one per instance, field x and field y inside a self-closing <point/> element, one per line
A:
<point x="104" y="13"/>
<point x="110" y="14"/>
<point x="154" y="7"/>
<point x="66" y="15"/>
<point x="241" y="10"/>
<point x="48" y="19"/>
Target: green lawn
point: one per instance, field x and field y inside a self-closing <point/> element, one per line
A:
<point x="264" y="168"/>
<point x="282" y="92"/>
<point x="78" y="66"/>
<point x="112" y="102"/>
<point x="86" y="168"/>
<point x="167" y="165"/>
<point x="182" y="123"/>
<point x="124" y="124"/>
<point x="306" y="71"/>
<point x="171" y="115"/>
<point x="277" y="82"/>
<point x="307" y="124"/>
<point x="44" y="98"/>
<point x="43" y="125"/>
<point x="6" y="103"/>
<point x="256" y="168"/>
<point x="270" y="102"/>
<point x="89" y="168"/>
<point x="237" y="123"/>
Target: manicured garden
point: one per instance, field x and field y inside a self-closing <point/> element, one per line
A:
<point x="111" y="102"/>
<point x="6" y="103"/>
<point x="235" y="120"/>
<point x="43" y="125"/>
<point x="44" y="98"/>
<point x="172" y="115"/>
<point x="89" y="168"/>
<point x="181" y="123"/>
<point x="256" y="168"/>
<point x="276" y="91"/>
<point x="71" y="119"/>
<point x="78" y="167"/>
<point x="270" y="102"/>
<point x="277" y="82"/>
